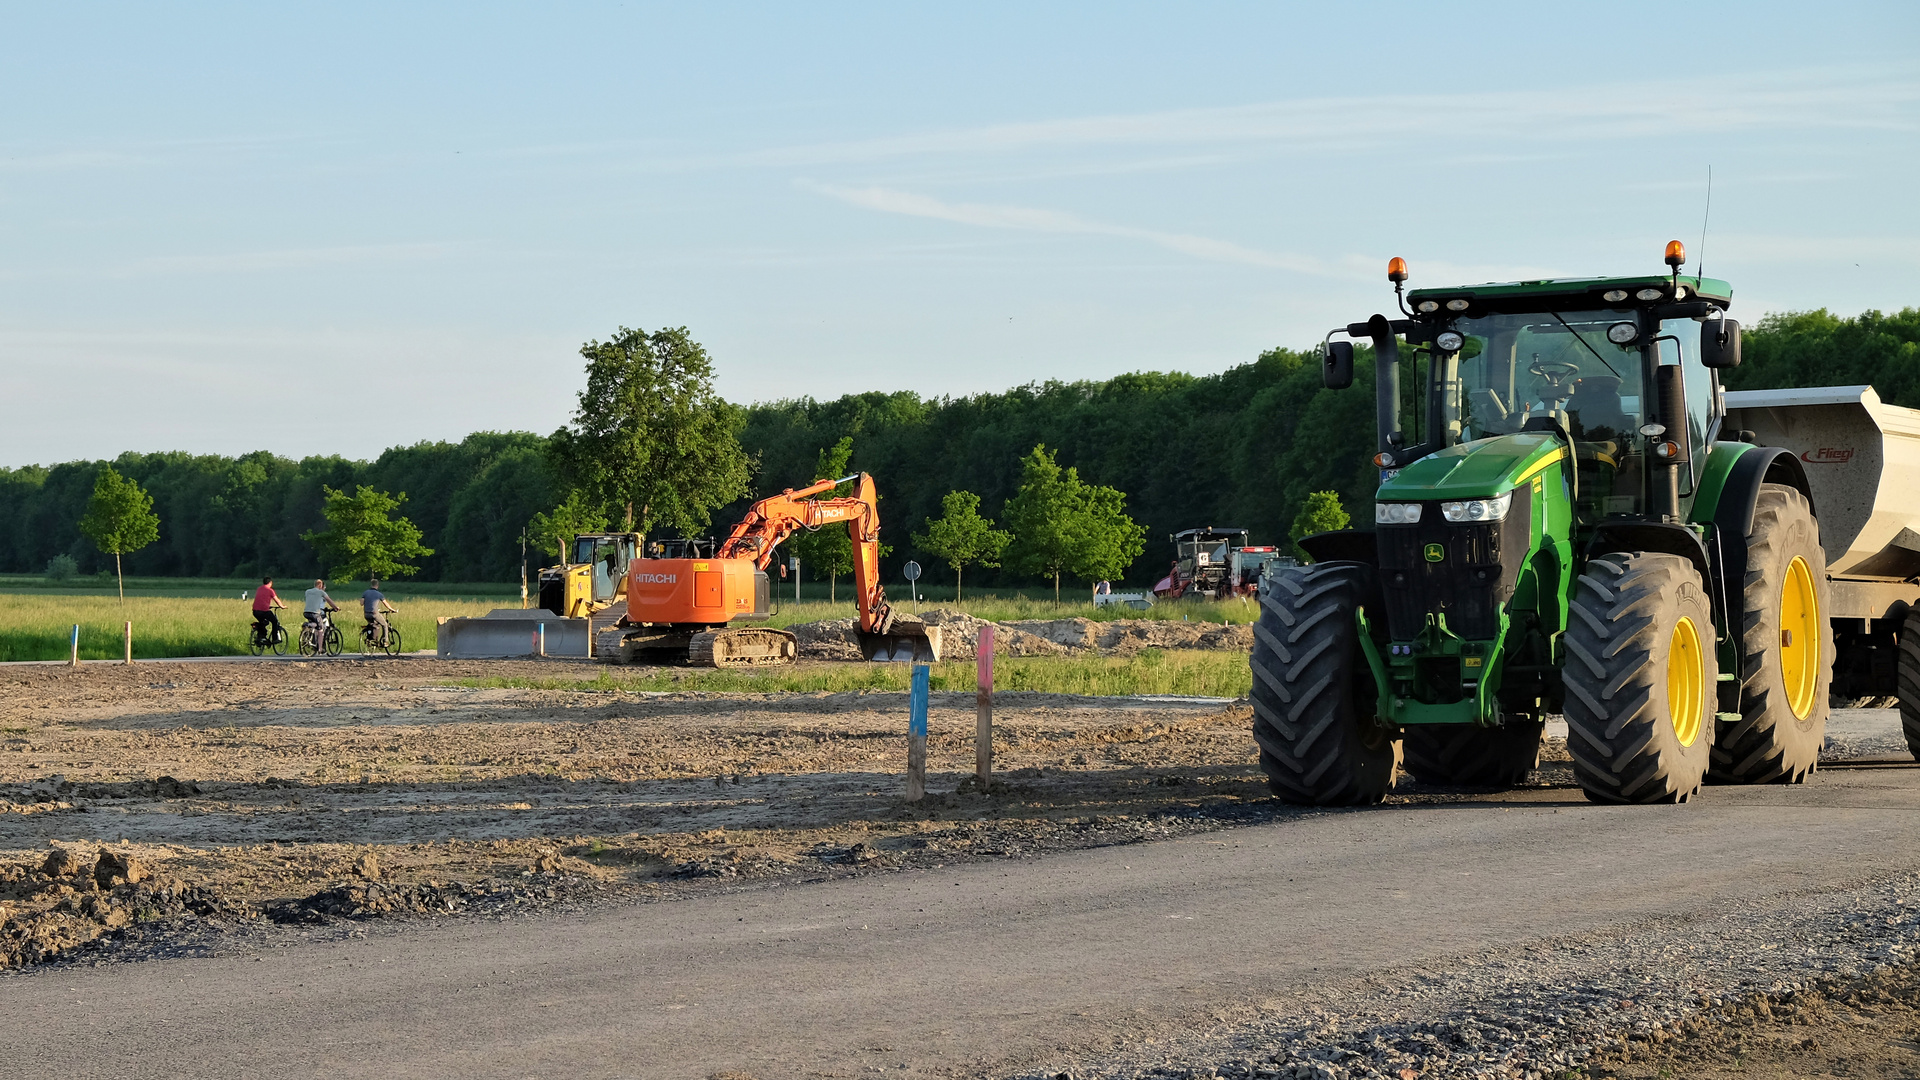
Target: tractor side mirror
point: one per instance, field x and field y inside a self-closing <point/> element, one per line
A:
<point x="1336" y="367"/>
<point x="1720" y="343"/>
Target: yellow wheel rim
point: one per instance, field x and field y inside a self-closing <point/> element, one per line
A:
<point x="1799" y="637"/>
<point x="1686" y="682"/>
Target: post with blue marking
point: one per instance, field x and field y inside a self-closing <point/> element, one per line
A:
<point x="917" y="735"/>
<point x="75" y="661"/>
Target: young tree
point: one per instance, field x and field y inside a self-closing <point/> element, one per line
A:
<point x="361" y="540"/>
<point x="828" y="552"/>
<point x="559" y="526"/>
<point x="961" y="536"/>
<point x="1108" y="541"/>
<point x="1319" y="512"/>
<point x="119" y="519"/>
<point x="651" y="442"/>
<point x="1062" y="524"/>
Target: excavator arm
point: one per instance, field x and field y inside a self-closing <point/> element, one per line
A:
<point x="771" y="520"/>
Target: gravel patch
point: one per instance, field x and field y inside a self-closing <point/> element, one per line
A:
<point x="1545" y="1009"/>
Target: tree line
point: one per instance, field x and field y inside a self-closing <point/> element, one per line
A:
<point x="1243" y="448"/>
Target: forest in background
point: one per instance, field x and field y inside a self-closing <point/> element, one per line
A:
<point x="1240" y="448"/>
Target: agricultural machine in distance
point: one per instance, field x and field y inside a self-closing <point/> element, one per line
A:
<point x="1213" y="563"/>
<point x="1573" y="517"/>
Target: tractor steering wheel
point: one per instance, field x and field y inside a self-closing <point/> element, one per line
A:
<point x="1555" y="374"/>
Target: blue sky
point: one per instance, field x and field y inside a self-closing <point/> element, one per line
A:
<point x="331" y="229"/>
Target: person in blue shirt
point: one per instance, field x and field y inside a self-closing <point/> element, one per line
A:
<point x="375" y="604"/>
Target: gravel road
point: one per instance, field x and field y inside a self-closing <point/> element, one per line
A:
<point x="1454" y="939"/>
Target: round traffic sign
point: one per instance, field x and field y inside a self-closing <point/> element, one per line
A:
<point x="911" y="570"/>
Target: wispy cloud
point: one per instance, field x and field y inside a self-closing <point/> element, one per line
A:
<point x="1792" y="100"/>
<point x="1031" y="219"/>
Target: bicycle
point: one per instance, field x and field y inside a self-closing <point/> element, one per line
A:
<point x="383" y="636"/>
<point x="320" y="637"/>
<point x="263" y="638"/>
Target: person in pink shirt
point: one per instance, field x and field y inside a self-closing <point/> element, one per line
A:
<point x="265" y="600"/>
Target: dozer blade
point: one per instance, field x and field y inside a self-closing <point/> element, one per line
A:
<point x="914" y="642"/>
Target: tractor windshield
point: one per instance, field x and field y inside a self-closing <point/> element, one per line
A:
<point x="1561" y="365"/>
<point x="1517" y="367"/>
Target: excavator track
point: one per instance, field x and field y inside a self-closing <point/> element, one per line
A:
<point x="732" y="647"/>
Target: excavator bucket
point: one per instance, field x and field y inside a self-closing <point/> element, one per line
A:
<point x="906" y="640"/>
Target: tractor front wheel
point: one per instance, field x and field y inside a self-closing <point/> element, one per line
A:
<point x="1640" y="675"/>
<point x="1315" y="703"/>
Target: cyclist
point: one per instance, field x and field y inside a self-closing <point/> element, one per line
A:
<point x="374" y="602"/>
<point x="265" y="601"/>
<point x="318" y="605"/>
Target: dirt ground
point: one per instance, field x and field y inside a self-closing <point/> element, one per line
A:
<point x="1865" y="1027"/>
<point x="304" y="792"/>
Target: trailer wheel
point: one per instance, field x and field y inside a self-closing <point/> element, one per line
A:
<point x="1909" y="673"/>
<point x="1314" y="698"/>
<point x="1786" y="649"/>
<point x="1640" y="676"/>
<point x="1470" y="755"/>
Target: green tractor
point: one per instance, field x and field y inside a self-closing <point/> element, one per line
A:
<point x="1564" y="525"/>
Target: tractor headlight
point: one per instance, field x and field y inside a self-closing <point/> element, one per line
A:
<point x="1623" y="333"/>
<point x="1427" y="307"/>
<point x="1465" y="510"/>
<point x="1649" y="294"/>
<point x="1449" y="340"/>
<point x="1396" y="513"/>
<point x="1614" y="296"/>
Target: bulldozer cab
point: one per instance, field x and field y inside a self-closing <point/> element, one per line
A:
<point x="606" y="555"/>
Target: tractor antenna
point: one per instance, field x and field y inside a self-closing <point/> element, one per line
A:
<point x="1700" y="265"/>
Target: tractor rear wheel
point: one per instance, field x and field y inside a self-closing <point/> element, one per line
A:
<point x="1472" y="756"/>
<point x="1786" y="649"/>
<point x="1909" y="674"/>
<point x="1640" y="675"/>
<point x="1314" y="699"/>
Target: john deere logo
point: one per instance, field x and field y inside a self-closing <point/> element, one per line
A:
<point x="1436" y="553"/>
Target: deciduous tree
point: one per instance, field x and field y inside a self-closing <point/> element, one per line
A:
<point x="1320" y="512"/>
<point x="828" y="552"/>
<point x="961" y="536"/>
<point x="1063" y="524"/>
<point x="119" y="519"/>
<point x="650" y="441"/>
<point x="362" y="540"/>
<point x="558" y="527"/>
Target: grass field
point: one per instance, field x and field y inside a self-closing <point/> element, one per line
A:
<point x="207" y="617"/>
<point x="1150" y="671"/>
<point x="37" y="626"/>
<point x="1011" y="609"/>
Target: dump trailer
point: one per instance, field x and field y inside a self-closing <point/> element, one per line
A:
<point x="1573" y="517"/>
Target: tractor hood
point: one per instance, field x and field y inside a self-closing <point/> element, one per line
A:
<point x="1475" y="470"/>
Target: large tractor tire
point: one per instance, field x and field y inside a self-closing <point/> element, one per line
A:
<point x="1314" y="699"/>
<point x="1640" y="677"/>
<point x="1909" y="674"/>
<point x="1471" y="756"/>
<point x="1786" y="649"/>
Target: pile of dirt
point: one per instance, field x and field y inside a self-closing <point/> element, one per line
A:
<point x="836" y="639"/>
<point x="69" y="901"/>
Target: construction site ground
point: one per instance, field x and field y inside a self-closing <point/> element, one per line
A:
<point x="164" y="814"/>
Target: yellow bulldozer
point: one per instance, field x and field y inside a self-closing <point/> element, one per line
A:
<point x="592" y="579"/>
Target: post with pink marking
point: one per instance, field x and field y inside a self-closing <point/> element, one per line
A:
<point x="983" y="710"/>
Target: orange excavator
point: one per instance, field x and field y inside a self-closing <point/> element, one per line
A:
<point x="696" y="601"/>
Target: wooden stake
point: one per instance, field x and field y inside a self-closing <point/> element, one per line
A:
<point x="917" y="736"/>
<point x="129" y="643"/>
<point x="983" y="710"/>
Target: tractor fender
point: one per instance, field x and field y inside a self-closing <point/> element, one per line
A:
<point x="1663" y="536"/>
<point x="1341" y="545"/>
<point x="1732" y="511"/>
